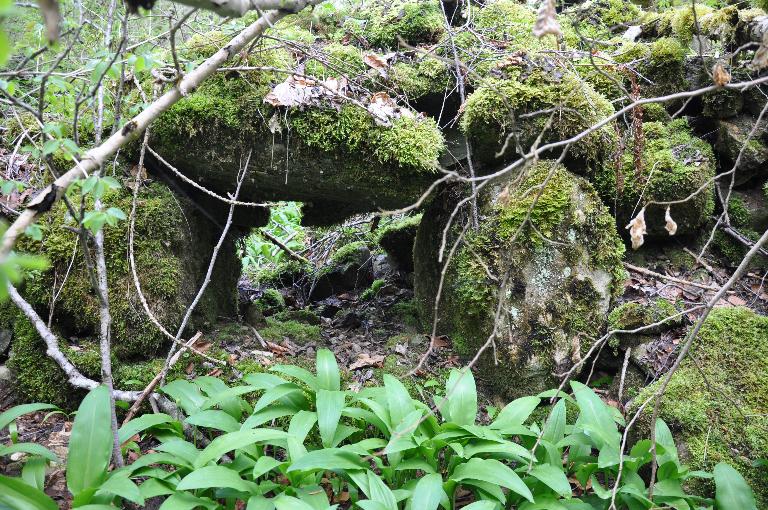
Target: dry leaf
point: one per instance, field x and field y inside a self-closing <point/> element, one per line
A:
<point x="720" y="75"/>
<point x="637" y="229"/>
<point x="546" y="20"/>
<point x="366" y="360"/>
<point x="376" y="62"/>
<point x="670" y="224"/>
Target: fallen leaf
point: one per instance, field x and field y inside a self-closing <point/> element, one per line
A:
<point x="365" y="360"/>
<point x="736" y="301"/>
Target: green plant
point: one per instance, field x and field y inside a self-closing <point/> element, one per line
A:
<point x="301" y="442"/>
<point x="258" y="251"/>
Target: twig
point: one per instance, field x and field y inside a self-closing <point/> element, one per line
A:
<point x="282" y="246"/>
<point x="648" y="272"/>
<point x="153" y="383"/>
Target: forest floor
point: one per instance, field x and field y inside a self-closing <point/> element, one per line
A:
<point x="378" y="334"/>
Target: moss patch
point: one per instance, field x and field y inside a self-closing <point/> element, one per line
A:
<point x="675" y="163"/>
<point x="732" y="352"/>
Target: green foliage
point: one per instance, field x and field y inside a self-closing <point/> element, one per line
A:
<point x="258" y="252"/>
<point x="379" y="448"/>
<point x="373" y="291"/>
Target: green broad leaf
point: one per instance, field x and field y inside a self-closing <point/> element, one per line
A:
<point x="186" y="394"/>
<point x="506" y="448"/>
<point x="213" y="477"/>
<point x="184" y="450"/>
<point x="272" y="412"/>
<point x="34" y="232"/>
<point x="595" y="418"/>
<point x="120" y="485"/>
<point x="553" y="478"/>
<point x="399" y="402"/>
<point x="403" y="436"/>
<point x="379" y="492"/>
<point x="51" y="146"/>
<point x="329" y="406"/>
<point x="153" y="487"/>
<point x="33" y="472"/>
<point x="214" y="419"/>
<point x="300" y="425"/>
<point x="554" y="428"/>
<point x="731" y="490"/>
<point x="186" y="501"/>
<point x="428" y="493"/>
<point x="17" y="495"/>
<point x="264" y="465"/>
<point x="7" y="417"/>
<point x="461" y="395"/>
<point x="287" y="393"/>
<point x="415" y="464"/>
<point x="328" y="376"/>
<point x="29" y="448"/>
<point x="665" y="439"/>
<point x="283" y="502"/>
<point x="141" y="424"/>
<point x="259" y="503"/>
<point x="328" y="459"/>
<point x="234" y="440"/>
<point x="298" y="373"/>
<point x="546" y="503"/>
<point x="481" y="505"/>
<point x="516" y="412"/>
<point x="492" y="471"/>
<point x="90" y="443"/>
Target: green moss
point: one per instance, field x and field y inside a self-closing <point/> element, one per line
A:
<point x="655" y="112"/>
<point x="304" y="315"/>
<point x="498" y="107"/>
<point x="634" y="315"/>
<point x="270" y="302"/>
<point x="675" y="163"/>
<point x="373" y="291"/>
<point x="552" y="295"/>
<point x="601" y="19"/>
<point x="716" y="405"/>
<point x="387" y="22"/>
<point x="283" y="274"/>
<point x="347" y="253"/>
<point x="337" y="60"/>
<point x="416" y="80"/>
<point x="406" y="312"/>
<point x="297" y="332"/>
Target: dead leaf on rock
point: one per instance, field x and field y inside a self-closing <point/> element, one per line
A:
<point x="378" y="62"/>
<point x="365" y="360"/>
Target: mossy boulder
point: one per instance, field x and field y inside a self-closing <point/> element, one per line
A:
<point x="173" y="245"/>
<point x="509" y="114"/>
<point x="675" y="165"/>
<point x="550" y="282"/>
<point x="350" y="268"/>
<point x="715" y="403"/>
<point x="732" y="145"/>
<point x="397" y="239"/>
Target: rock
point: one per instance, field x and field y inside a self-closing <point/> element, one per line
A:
<point x="382" y="266"/>
<point x="675" y="164"/>
<point x="715" y="401"/>
<point x="350" y="268"/>
<point x="5" y="375"/>
<point x="634" y="315"/>
<point x="397" y="240"/>
<point x="5" y="340"/>
<point x="557" y="291"/>
<point x="731" y="135"/>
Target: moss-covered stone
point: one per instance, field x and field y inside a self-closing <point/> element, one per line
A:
<point x="561" y="271"/>
<point x="270" y="302"/>
<point x="675" y="164"/>
<point x="715" y="405"/>
<point x="331" y="154"/>
<point x="501" y="108"/>
<point x="397" y="240"/>
<point x="634" y="315"/>
<point x="373" y="291"/>
<point x="173" y="244"/>
<point x="298" y="332"/>
<point x="385" y="23"/>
